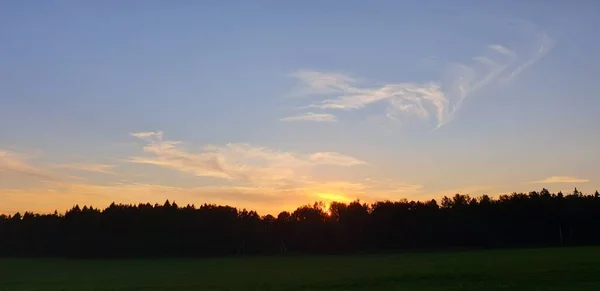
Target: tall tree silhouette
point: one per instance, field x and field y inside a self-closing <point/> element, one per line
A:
<point x="533" y="219"/>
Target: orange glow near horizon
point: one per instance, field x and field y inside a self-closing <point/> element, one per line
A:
<point x="331" y="197"/>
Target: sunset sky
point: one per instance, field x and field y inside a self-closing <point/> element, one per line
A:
<point x="269" y="105"/>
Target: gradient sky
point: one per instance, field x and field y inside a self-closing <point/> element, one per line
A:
<point x="272" y="104"/>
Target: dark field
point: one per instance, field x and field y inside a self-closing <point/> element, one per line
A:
<point x="531" y="269"/>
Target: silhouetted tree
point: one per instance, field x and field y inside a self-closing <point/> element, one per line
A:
<point x="519" y="219"/>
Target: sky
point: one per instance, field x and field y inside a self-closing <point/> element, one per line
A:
<point x="269" y="105"/>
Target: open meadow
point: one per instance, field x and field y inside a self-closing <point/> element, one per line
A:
<point x="522" y="269"/>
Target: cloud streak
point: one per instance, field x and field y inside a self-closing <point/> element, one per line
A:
<point x="311" y="116"/>
<point x="333" y="158"/>
<point x="94" y="168"/>
<point x="502" y="49"/>
<point x="323" y="82"/>
<point x="441" y="98"/>
<point x="560" y="179"/>
<point x="16" y="164"/>
<point x="237" y="162"/>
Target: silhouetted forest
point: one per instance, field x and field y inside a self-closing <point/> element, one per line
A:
<point x="533" y="219"/>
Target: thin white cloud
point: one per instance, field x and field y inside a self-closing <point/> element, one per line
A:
<point x="442" y="98"/>
<point x="560" y="179"/>
<point x="17" y="164"/>
<point x="148" y="134"/>
<point x="401" y="98"/>
<point x="333" y="158"/>
<point x="95" y="168"/>
<point x="502" y="49"/>
<point x="244" y="163"/>
<point x="543" y="45"/>
<point x="323" y="82"/>
<point x="311" y="116"/>
<point x="399" y="107"/>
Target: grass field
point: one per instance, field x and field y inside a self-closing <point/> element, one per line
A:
<point x="531" y="269"/>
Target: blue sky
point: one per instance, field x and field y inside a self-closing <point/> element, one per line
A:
<point x="269" y="105"/>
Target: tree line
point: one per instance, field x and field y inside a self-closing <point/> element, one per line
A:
<point x="533" y="219"/>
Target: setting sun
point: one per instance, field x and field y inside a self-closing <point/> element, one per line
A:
<point x="327" y="209"/>
<point x="331" y="197"/>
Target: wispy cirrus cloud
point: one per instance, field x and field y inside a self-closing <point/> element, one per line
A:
<point x="18" y="164"/>
<point x="285" y="183"/>
<point x="148" y="134"/>
<point x="443" y="98"/>
<point x="333" y="158"/>
<point x="502" y="49"/>
<point x="539" y="44"/>
<point x="311" y="116"/>
<point x="269" y="170"/>
<point x="401" y="98"/>
<point x="323" y="82"/>
<point x="237" y="161"/>
<point x="94" y="168"/>
<point x="560" y="179"/>
<point x="256" y="177"/>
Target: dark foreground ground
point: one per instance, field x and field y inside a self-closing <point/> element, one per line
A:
<point x="527" y="269"/>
